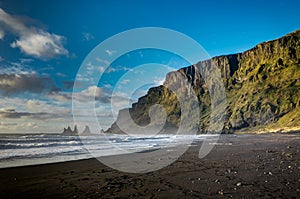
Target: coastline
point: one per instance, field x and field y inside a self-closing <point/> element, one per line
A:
<point x="265" y="130"/>
<point x="267" y="167"/>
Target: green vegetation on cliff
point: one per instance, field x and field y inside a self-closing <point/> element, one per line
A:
<point x="262" y="89"/>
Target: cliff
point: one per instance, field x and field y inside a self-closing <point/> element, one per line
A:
<point x="262" y="90"/>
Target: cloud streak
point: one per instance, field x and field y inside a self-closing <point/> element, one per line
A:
<point x="87" y="36"/>
<point x="12" y="114"/>
<point x="91" y="92"/>
<point x="31" y="40"/>
<point x="110" y="52"/>
<point x="19" y="83"/>
<point x="2" y="34"/>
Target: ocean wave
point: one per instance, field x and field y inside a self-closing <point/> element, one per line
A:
<point x="42" y="147"/>
<point x="38" y="144"/>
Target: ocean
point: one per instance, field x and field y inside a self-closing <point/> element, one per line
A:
<point x="21" y="150"/>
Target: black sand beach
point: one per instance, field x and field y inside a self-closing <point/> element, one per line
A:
<point x="249" y="166"/>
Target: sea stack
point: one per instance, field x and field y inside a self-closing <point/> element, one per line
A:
<point x="68" y="131"/>
<point x="86" y="131"/>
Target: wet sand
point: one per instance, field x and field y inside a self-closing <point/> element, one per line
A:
<point x="248" y="166"/>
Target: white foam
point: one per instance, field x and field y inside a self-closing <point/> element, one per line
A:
<point x="37" y="149"/>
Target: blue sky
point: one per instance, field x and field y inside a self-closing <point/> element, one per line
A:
<point x="43" y="43"/>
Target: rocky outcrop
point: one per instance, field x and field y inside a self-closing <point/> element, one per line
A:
<point x="262" y="89"/>
<point x="69" y="131"/>
<point x="86" y="131"/>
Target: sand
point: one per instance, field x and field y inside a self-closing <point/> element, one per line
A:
<point x="248" y="166"/>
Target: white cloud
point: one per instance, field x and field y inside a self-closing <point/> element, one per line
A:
<point x="106" y="62"/>
<point x="61" y="96"/>
<point x="110" y="52"/>
<point x="2" y="34"/>
<point x="120" y="102"/>
<point x="90" y="93"/>
<point x="117" y="69"/>
<point x="84" y="78"/>
<point x="91" y="69"/>
<point x="36" y="106"/>
<point x="41" y="44"/>
<point x="15" y="68"/>
<point x="58" y="74"/>
<point x="87" y="36"/>
<point x="4" y="125"/>
<point x="20" y="115"/>
<point x="93" y="91"/>
<point x="29" y="115"/>
<point x="102" y="69"/>
<point x="26" y="60"/>
<point x="159" y="81"/>
<point x="16" y="104"/>
<point x="31" y="40"/>
<point x="108" y="86"/>
<point x="125" y="81"/>
<point x="30" y="125"/>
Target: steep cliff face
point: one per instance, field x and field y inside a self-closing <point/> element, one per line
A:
<point x="265" y="89"/>
<point x="262" y="89"/>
